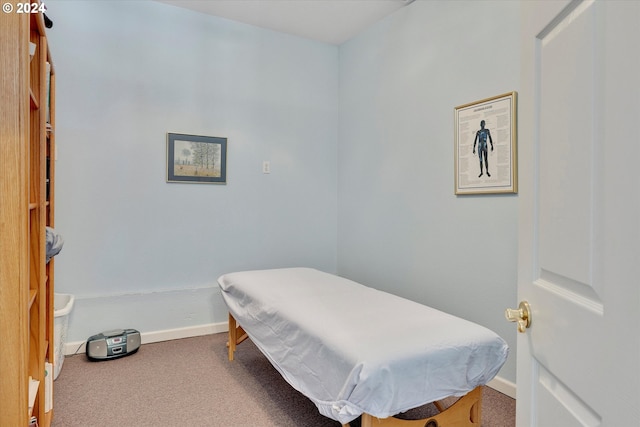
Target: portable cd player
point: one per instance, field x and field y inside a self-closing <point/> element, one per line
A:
<point x="113" y="344"/>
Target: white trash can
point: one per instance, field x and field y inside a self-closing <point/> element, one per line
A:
<point x="62" y="305"/>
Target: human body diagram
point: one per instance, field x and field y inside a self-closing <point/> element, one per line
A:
<point x="481" y="140"/>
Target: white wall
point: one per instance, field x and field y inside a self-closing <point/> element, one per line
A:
<point x="143" y="253"/>
<point x="400" y="226"/>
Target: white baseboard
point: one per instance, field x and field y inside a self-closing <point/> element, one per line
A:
<point x="503" y="386"/>
<point x="157" y="336"/>
<point x="498" y="383"/>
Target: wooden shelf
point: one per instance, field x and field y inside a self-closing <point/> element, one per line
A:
<point x="48" y="416"/>
<point x="35" y="105"/>
<point x="32" y="297"/>
<point x="45" y="349"/>
<point x="26" y="280"/>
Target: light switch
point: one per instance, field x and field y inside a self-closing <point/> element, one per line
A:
<point x="266" y="166"/>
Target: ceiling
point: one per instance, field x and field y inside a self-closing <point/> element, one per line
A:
<point x="328" y="21"/>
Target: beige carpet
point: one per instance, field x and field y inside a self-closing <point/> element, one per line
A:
<point x="190" y="382"/>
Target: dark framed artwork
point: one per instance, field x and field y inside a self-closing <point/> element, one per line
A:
<point x="196" y="159"/>
<point x="485" y="159"/>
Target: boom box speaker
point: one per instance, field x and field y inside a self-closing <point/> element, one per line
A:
<point x="113" y="344"/>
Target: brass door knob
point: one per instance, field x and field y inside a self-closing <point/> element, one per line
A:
<point x="522" y="316"/>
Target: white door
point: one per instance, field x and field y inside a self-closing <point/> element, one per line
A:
<point x="579" y="214"/>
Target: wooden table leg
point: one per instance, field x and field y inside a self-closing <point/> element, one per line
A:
<point x="233" y="336"/>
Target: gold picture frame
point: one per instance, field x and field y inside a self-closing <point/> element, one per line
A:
<point x="485" y="158"/>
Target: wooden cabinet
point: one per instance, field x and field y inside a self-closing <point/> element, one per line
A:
<point x="27" y="176"/>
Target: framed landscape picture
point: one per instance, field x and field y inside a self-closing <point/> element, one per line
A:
<point x="196" y="159"/>
<point x="485" y="159"/>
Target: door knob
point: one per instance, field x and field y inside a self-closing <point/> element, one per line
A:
<point x="522" y="316"/>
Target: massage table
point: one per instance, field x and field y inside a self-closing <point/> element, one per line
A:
<point x="357" y="351"/>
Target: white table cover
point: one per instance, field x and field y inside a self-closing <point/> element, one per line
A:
<point x="352" y="349"/>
